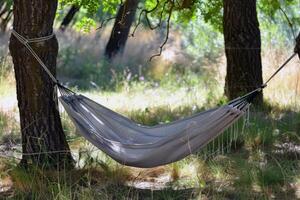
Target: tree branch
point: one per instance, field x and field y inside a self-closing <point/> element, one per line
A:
<point x="146" y="13"/>
<point x="167" y="34"/>
<point x="289" y="22"/>
<point x="105" y="21"/>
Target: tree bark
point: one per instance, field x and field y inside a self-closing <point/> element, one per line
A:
<point x="242" y="48"/>
<point x="120" y="31"/>
<point x="69" y="17"/>
<point x="43" y="141"/>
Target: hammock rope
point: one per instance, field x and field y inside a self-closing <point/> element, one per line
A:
<point x="26" y="42"/>
<point x="136" y="145"/>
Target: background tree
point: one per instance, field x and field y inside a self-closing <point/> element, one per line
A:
<point x="297" y="46"/>
<point x="242" y="48"/>
<point x="240" y="27"/>
<point x="40" y="122"/>
<point x="5" y="14"/>
<point x="5" y="20"/>
<point x="3" y="8"/>
<point x="121" y="28"/>
<point x="69" y="17"/>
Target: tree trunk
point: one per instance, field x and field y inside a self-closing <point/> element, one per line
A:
<point x="242" y="48"/>
<point x="2" y="8"/>
<point x="5" y="21"/>
<point x="43" y="141"/>
<point x="3" y="12"/>
<point x="120" y="31"/>
<point x="297" y="46"/>
<point x="69" y="17"/>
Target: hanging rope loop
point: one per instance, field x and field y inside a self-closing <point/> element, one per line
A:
<point x="26" y="42"/>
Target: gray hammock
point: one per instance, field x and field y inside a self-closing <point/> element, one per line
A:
<point x="141" y="146"/>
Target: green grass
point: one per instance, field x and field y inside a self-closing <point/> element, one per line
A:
<point x="253" y="170"/>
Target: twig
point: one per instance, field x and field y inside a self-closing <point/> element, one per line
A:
<point x="289" y="22"/>
<point x="105" y="21"/>
<point x="146" y="13"/>
<point x="160" y="18"/>
<point x="167" y="34"/>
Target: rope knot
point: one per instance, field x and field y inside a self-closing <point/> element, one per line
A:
<point x="26" y="42"/>
<point x="263" y="86"/>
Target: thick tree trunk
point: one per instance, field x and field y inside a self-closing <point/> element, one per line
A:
<point x="120" y="31"/>
<point x="40" y="122"/>
<point x="242" y="48"/>
<point x="69" y="17"/>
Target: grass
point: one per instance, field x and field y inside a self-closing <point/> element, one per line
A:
<point x="259" y="164"/>
<point x="255" y="170"/>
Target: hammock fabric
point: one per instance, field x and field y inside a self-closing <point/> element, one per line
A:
<point x="140" y="146"/>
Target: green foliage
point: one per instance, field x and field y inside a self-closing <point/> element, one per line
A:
<point x="201" y="40"/>
<point x="158" y="12"/>
<point x="91" y="12"/>
<point x="91" y="5"/>
<point x="110" y="6"/>
<point x="212" y="12"/>
<point x="270" y="7"/>
<point x="275" y="22"/>
<point x="85" y="25"/>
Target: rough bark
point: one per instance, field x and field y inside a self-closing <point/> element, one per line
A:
<point x="120" y="31"/>
<point x="242" y="48"/>
<point x="69" y="17"/>
<point x="40" y="122"/>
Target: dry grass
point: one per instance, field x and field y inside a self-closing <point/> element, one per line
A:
<point x="284" y="90"/>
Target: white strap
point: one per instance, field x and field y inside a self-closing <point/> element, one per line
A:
<point x="26" y="43"/>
